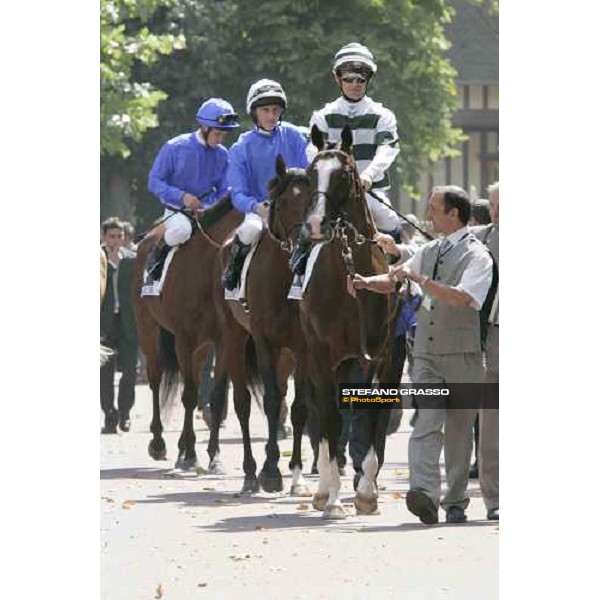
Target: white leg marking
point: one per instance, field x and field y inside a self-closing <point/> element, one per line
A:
<point x="366" y="485"/>
<point x="297" y="477"/>
<point x="324" y="470"/>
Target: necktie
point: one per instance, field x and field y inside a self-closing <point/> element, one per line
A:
<point x="445" y="246"/>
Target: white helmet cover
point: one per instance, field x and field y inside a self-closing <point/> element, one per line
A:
<point x="354" y="53"/>
<point x="262" y="89"/>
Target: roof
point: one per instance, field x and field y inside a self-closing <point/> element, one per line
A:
<point x="474" y="34"/>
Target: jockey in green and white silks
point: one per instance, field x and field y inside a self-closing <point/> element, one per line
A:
<point x="374" y="129"/>
<point x="374" y="138"/>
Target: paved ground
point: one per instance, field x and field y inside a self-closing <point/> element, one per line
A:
<point x="194" y="537"/>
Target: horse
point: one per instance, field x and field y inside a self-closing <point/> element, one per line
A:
<point x="274" y="321"/>
<point x="349" y="337"/>
<point x="175" y="333"/>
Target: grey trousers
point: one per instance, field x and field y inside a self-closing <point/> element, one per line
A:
<point x="427" y="438"/>
<point x="489" y="425"/>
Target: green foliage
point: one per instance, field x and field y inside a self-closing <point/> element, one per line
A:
<point x="232" y="43"/>
<point x="127" y="107"/>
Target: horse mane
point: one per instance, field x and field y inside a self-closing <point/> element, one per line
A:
<point x="215" y="213"/>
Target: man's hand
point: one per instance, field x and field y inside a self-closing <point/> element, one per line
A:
<point x="357" y="283"/>
<point x="190" y="201"/>
<point x="400" y="273"/>
<point x="262" y="210"/>
<point x="387" y="243"/>
<point x="366" y="182"/>
<point x="380" y="284"/>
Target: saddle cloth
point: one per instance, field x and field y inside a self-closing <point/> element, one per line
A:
<point x="155" y="287"/>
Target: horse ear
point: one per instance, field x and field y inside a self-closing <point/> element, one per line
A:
<point x="346" y="140"/>
<point x="316" y="137"/>
<point x="280" y="167"/>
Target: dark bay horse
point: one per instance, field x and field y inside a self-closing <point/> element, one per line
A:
<point x="275" y="321"/>
<point x="176" y="331"/>
<point x="348" y="337"/>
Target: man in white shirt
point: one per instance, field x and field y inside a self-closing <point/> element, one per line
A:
<point x="455" y="274"/>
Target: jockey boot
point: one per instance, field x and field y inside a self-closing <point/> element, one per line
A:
<point x="233" y="270"/>
<point x="299" y="257"/>
<point x="156" y="260"/>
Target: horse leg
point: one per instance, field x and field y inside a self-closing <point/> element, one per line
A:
<point x="148" y="338"/>
<point x="299" y="418"/>
<point x="187" y="458"/>
<point x="328" y="459"/>
<point x="270" y="475"/>
<point x="236" y="367"/>
<point x="218" y="398"/>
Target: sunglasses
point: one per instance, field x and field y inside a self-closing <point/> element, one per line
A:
<point x="228" y="119"/>
<point x="354" y="79"/>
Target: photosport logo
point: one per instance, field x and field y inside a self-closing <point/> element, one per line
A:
<point x="431" y="395"/>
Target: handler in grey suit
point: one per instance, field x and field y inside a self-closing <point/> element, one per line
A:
<point x="455" y="273"/>
<point x="489" y="418"/>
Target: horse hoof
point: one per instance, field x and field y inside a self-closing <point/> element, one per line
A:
<point x="333" y="511"/>
<point x="186" y="464"/>
<point x="216" y="468"/>
<point x="270" y="484"/>
<point x="319" y="502"/>
<point x="251" y="486"/>
<point x="365" y="505"/>
<point x="314" y="470"/>
<point x="300" y="490"/>
<point x="158" y="451"/>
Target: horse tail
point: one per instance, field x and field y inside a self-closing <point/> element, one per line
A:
<point x="253" y="378"/>
<point x="167" y="360"/>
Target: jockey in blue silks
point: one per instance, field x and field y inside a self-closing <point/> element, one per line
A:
<point x="252" y="165"/>
<point x="190" y="172"/>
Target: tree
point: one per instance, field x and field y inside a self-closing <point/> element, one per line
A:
<point x="127" y="106"/>
<point x="231" y="43"/>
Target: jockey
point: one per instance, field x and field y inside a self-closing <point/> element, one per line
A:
<point x="190" y="172"/>
<point x="252" y="165"/>
<point x="374" y="133"/>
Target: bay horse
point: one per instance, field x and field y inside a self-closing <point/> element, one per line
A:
<point x="175" y="333"/>
<point x="349" y="338"/>
<point x="274" y="320"/>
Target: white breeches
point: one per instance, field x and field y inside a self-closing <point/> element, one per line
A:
<point x="250" y="229"/>
<point x="385" y="218"/>
<point x="178" y="228"/>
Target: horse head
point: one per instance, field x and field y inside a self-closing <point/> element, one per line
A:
<point x="336" y="189"/>
<point x="289" y="193"/>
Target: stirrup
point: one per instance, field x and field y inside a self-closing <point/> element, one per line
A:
<point x="295" y="292"/>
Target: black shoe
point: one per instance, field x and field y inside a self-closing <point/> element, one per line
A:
<point x="233" y="270"/>
<point x="474" y="471"/>
<point x="456" y="514"/>
<point x="125" y="424"/>
<point x="493" y="514"/>
<point x="156" y="260"/>
<point x="301" y="252"/>
<point x="421" y="505"/>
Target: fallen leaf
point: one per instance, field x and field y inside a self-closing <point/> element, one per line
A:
<point x="286" y="453"/>
<point x="398" y="495"/>
<point x="221" y="501"/>
<point x="258" y="528"/>
<point x="238" y="557"/>
<point x="382" y="487"/>
<point x="107" y="499"/>
<point x="159" y="591"/>
<point x="128" y="503"/>
<point x="201" y="471"/>
<point x="202" y="584"/>
<point x="302" y="507"/>
<point x="209" y="489"/>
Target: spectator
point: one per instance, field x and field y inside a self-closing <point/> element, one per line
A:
<point x="117" y="329"/>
